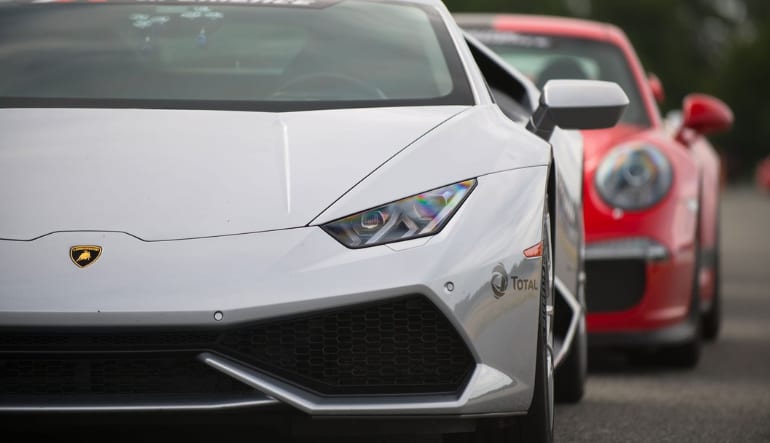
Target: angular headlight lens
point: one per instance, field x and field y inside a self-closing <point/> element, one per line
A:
<point x="417" y="216"/>
<point x="634" y="177"/>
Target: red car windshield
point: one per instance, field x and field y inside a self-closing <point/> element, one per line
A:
<point x="293" y="55"/>
<point x="544" y="58"/>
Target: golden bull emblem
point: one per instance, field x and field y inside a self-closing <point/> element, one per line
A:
<point x="84" y="256"/>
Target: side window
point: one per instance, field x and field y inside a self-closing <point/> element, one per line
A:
<point x="509" y="94"/>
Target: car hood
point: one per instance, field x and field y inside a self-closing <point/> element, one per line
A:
<point x="171" y="174"/>
<point x="599" y="141"/>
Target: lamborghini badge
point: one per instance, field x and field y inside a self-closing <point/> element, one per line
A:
<point x="84" y="256"/>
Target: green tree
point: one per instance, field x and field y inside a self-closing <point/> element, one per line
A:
<point x="742" y="83"/>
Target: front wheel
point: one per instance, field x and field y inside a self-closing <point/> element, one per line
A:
<point x="537" y="425"/>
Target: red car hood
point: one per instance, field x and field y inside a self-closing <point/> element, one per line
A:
<point x="599" y="141"/>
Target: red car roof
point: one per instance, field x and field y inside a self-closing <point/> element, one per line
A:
<point x="541" y="24"/>
<point x="568" y="27"/>
<point x="561" y="25"/>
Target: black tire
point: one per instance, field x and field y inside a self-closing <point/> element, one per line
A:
<point x="711" y="323"/>
<point x="571" y="375"/>
<point x="570" y="378"/>
<point x="712" y="319"/>
<point x="537" y="425"/>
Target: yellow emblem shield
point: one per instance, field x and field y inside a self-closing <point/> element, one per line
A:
<point x="85" y="255"/>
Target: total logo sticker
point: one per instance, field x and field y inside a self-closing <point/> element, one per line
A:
<point x="502" y="282"/>
<point x="521" y="284"/>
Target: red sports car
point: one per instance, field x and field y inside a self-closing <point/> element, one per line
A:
<point x="651" y="193"/>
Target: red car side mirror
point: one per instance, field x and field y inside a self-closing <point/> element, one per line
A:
<point x="706" y="114"/>
<point x="657" y="88"/>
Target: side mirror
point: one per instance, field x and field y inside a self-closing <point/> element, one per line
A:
<point x="706" y="114"/>
<point x="577" y="104"/>
<point x="657" y="88"/>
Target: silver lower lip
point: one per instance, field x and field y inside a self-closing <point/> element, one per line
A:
<point x="483" y="381"/>
<point x="627" y="248"/>
<point x="258" y="400"/>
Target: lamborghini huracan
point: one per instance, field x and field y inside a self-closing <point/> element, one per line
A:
<point x="307" y="207"/>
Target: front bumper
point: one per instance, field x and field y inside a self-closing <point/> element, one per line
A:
<point x="639" y="264"/>
<point x="637" y="286"/>
<point x="211" y="285"/>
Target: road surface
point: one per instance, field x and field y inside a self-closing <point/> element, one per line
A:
<point x="727" y="397"/>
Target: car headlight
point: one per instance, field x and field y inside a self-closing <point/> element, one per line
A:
<point x="634" y="177"/>
<point x="412" y="217"/>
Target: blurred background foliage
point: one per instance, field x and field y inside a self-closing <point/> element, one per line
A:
<point x="719" y="47"/>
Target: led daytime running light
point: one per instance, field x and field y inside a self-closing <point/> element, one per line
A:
<point x="412" y="217"/>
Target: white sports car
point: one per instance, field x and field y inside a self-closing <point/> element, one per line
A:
<point x="307" y="206"/>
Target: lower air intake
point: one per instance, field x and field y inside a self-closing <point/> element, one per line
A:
<point x="119" y="376"/>
<point x="404" y="346"/>
<point x="394" y="347"/>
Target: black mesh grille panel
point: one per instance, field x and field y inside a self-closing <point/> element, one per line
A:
<point x="105" y="340"/>
<point x="614" y="285"/>
<point x="116" y="375"/>
<point x="402" y="346"/>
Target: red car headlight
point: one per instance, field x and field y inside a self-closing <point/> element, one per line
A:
<point x="634" y="177"/>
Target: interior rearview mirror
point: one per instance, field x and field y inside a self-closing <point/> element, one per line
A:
<point x="577" y="104"/>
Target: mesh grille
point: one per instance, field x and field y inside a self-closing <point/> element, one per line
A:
<point x="105" y="340"/>
<point x="403" y="346"/>
<point x="614" y="285"/>
<point x="124" y="375"/>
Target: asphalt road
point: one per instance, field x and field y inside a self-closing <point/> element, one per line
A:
<point x="725" y="399"/>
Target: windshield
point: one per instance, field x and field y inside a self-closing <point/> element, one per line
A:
<point x="543" y="58"/>
<point x="309" y="54"/>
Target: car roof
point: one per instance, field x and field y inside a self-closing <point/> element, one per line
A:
<point x="540" y="24"/>
<point x="234" y="2"/>
<point x="571" y="28"/>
